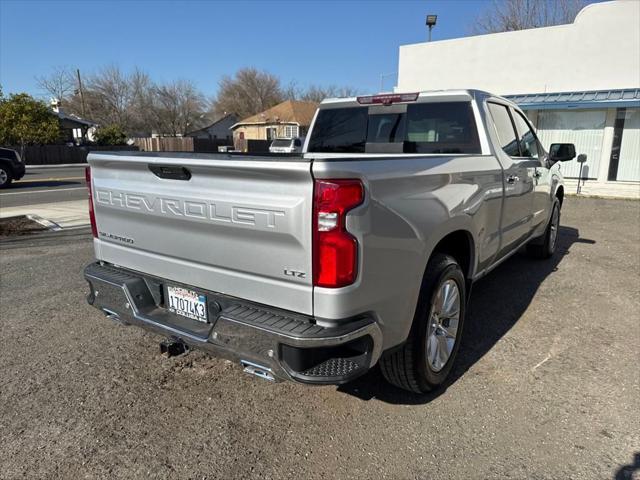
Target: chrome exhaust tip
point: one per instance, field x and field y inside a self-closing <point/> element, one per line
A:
<point x="258" y="370"/>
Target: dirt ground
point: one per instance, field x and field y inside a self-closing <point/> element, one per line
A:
<point x="547" y="387"/>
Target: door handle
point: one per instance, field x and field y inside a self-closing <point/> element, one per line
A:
<point x="537" y="173"/>
<point x="513" y="179"/>
<point x="171" y="172"/>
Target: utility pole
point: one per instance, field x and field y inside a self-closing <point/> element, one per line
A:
<point x="81" y="93"/>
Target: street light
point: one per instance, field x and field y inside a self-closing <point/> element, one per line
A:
<point x="431" y="22"/>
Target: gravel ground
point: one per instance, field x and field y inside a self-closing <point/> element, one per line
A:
<point x="547" y="386"/>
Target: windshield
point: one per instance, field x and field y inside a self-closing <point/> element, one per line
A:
<point x="442" y="127"/>
<point x="281" y="142"/>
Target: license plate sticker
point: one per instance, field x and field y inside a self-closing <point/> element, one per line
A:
<point x="187" y="303"/>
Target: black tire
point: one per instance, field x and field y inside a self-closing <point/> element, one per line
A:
<point x="6" y="176"/>
<point x="408" y="367"/>
<point x="545" y="246"/>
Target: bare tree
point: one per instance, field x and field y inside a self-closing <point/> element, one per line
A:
<point x="248" y="92"/>
<point x="510" y="15"/>
<point x="316" y="93"/>
<point x="133" y="102"/>
<point x="112" y="96"/>
<point x="143" y="118"/>
<point x="136" y="105"/>
<point x="179" y="107"/>
<point x="60" y="83"/>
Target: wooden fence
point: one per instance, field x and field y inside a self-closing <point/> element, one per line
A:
<point x="164" y="144"/>
<point x="61" y="154"/>
<point x="180" y="144"/>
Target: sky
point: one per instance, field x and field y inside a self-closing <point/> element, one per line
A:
<point x="344" y="43"/>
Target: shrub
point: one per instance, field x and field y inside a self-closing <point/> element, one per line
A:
<point x="110" y="135"/>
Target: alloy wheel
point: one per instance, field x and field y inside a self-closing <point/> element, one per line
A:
<point x="444" y="318"/>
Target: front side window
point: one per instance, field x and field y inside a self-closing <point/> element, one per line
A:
<point x="504" y="129"/>
<point x="526" y="137"/>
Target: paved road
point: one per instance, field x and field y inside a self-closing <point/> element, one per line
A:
<point x="47" y="185"/>
<point x="547" y="387"/>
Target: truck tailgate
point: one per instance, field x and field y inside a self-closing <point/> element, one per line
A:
<point x="239" y="225"/>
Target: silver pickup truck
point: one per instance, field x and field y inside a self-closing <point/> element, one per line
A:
<point x="315" y="267"/>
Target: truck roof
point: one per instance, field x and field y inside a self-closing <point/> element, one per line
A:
<point x="425" y="95"/>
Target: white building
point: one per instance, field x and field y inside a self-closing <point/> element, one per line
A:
<point x="578" y="83"/>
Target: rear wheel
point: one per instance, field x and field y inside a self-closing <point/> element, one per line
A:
<point x="5" y="176"/>
<point x="545" y="246"/>
<point x="427" y="357"/>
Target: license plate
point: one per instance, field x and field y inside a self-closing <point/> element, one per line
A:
<point x="187" y="303"/>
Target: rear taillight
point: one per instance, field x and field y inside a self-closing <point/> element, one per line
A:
<point x="335" y="250"/>
<point x="92" y="215"/>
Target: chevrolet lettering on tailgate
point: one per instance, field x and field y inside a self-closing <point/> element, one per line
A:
<point x="216" y="212"/>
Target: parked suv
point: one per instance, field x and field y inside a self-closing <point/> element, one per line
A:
<point x="11" y="167"/>
<point x="286" y="145"/>
<point x="316" y="267"/>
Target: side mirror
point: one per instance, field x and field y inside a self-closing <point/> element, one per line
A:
<point x="582" y="158"/>
<point x="562" y="152"/>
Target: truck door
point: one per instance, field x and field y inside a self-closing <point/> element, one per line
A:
<point x="518" y="181"/>
<point x="529" y="149"/>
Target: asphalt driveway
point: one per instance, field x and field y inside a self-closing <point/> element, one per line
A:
<point x="548" y="386"/>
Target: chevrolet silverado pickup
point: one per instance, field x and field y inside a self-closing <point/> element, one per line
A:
<point x="360" y="251"/>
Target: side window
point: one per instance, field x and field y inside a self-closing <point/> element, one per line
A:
<point x="340" y="130"/>
<point x="297" y="142"/>
<point x="527" y="139"/>
<point x="441" y="127"/>
<point x="504" y="128"/>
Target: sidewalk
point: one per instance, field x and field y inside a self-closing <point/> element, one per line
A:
<point x="61" y="214"/>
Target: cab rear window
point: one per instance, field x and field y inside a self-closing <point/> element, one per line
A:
<point x="442" y="127"/>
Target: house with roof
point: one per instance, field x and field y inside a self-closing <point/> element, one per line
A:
<point x="220" y="130"/>
<point x="288" y="119"/>
<point x="73" y="128"/>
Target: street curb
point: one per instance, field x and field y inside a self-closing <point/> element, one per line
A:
<point x="60" y="165"/>
<point x="48" y="224"/>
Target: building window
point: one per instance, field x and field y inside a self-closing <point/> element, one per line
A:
<point x="290" y="131"/>
<point x="584" y="128"/>
<point x="272" y="133"/>
<point x="625" y="154"/>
